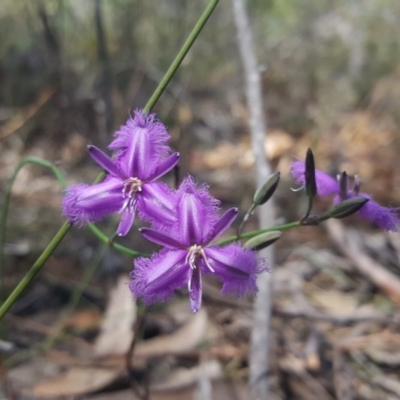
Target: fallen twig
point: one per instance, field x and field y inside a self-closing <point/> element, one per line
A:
<point x="376" y="273"/>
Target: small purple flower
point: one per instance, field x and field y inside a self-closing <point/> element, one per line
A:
<point x="189" y="253"/>
<point x="130" y="185"/>
<point x="386" y="218"/>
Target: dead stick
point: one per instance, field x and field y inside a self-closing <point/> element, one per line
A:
<point x="259" y="362"/>
<point x="376" y="273"/>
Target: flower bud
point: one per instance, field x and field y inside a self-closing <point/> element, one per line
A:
<point x="309" y="174"/>
<point x="265" y="191"/>
<point x="343" y="185"/>
<point x="263" y="240"/>
<point x="347" y="207"/>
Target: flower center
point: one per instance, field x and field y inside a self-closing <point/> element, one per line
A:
<point x="195" y="252"/>
<point x="131" y="187"/>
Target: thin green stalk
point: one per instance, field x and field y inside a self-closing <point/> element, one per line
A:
<point x="148" y="107"/>
<point x="36" y="267"/>
<point x="6" y="205"/>
<point x="181" y="55"/>
<point x="57" y="333"/>
<point x="109" y="241"/>
<point x="251" y="234"/>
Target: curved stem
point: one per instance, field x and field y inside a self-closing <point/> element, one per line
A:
<point x="109" y="241"/>
<point x="251" y="234"/>
<point x="36" y="267"/>
<point x="6" y="205"/>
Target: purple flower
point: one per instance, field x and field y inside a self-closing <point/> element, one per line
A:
<point x="188" y="252"/>
<point x="385" y="217"/>
<point x="130" y="185"/>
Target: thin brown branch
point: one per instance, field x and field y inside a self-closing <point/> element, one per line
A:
<point x="376" y="273"/>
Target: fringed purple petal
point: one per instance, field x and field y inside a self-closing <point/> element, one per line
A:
<point x="197" y="212"/>
<point x="386" y="218"/>
<point x="156" y="278"/>
<point x="195" y="289"/>
<point x="127" y="218"/>
<point x="164" y="167"/>
<point x="160" y="238"/>
<point x="103" y="160"/>
<point x="236" y="267"/>
<point x="326" y="185"/>
<point x="156" y="205"/>
<point x="83" y="203"/>
<point x="141" y="120"/>
<point x="224" y="222"/>
<point x="141" y="144"/>
<point x="138" y="157"/>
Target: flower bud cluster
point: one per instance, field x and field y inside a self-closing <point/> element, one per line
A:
<point x="347" y="201"/>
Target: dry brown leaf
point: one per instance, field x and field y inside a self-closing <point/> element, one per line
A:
<point x="186" y="338"/>
<point x="76" y="381"/>
<point x="375" y="340"/>
<point x="339" y="303"/>
<point x="277" y="143"/>
<point x="117" y="328"/>
<point x="83" y="320"/>
<point x="376" y="273"/>
<point x="184" y="377"/>
<point x="226" y="155"/>
<point x="388" y="383"/>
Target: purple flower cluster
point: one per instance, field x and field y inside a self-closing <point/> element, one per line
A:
<point x="185" y="221"/>
<point x="386" y="218"/>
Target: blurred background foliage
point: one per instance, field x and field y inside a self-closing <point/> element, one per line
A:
<point x="318" y="57"/>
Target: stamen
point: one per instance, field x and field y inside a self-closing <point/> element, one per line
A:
<point x="203" y="254"/>
<point x="193" y="253"/>
<point x="132" y="186"/>
<point x="130" y="204"/>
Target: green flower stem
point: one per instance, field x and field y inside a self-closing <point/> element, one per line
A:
<point x="36" y="267"/>
<point x="150" y="104"/>
<point x="181" y="55"/>
<point x="251" y="234"/>
<point x="57" y="331"/>
<point x="110" y="241"/>
<point x="6" y="205"/>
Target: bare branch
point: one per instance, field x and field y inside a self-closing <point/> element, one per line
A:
<point x="258" y="129"/>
